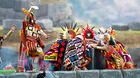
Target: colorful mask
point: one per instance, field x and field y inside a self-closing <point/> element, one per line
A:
<point x="88" y="33"/>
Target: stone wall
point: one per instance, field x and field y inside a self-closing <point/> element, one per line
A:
<point x="8" y="22"/>
<point x="46" y="24"/>
<point x="135" y="73"/>
<point x="12" y="9"/>
<point x="58" y="13"/>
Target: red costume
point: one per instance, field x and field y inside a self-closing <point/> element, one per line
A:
<point x="31" y="45"/>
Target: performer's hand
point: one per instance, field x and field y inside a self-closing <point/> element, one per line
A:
<point x="47" y="36"/>
<point x="13" y="27"/>
<point x="92" y="46"/>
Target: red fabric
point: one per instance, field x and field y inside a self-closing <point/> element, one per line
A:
<point x="38" y="27"/>
<point x="31" y="41"/>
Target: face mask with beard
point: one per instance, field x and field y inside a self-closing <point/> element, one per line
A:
<point x="106" y="37"/>
<point x="89" y="35"/>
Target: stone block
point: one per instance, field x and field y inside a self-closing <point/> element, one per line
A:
<point x="18" y="75"/>
<point x="32" y="74"/>
<point x="1" y="20"/>
<point x="88" y="74"/>
<point x="2" y="76"/>
<point x="8" y="22"/>
<point x="60" y="14"/>
<point x="2" y="12"/>
<point x="7" y="3"/>
<point x="50" y="74"/>
<point x="0" y="2"/>
<point x="19" y="4"/>
<point x="25" y="4"/>
<point x="9" y="14"/>
<point x="110" y="74"/>
<point x="133" y="73"/>
<point x="41" y="17"/>
<point x="65" y="74"/>
<point x="19" y="15"/>
<point x="59" y="9"/>
<point x="62" y="22"/>
<point x="36" y="2"/>
<point x="45" y="24"/>
<point x="42" y="11"/>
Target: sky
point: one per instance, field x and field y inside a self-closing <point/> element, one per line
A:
<point x="106" y="12"/>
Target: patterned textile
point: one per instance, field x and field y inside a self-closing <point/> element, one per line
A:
<point x="55" y="54"/>
<point x="74" y="55"/>
<point x="113" y="58"/>
<point x="125" y="55"/>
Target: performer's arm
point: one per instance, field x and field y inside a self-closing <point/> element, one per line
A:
<point x="44" y="34"/>
<point x="9" y="33"/>
<point x="97" y="47"/>
<point x="101" y="47"/>
<point x="41" y="32"/>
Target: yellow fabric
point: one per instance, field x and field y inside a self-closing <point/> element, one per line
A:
<point x="51" y="57"/>
<point x="35" y="53"/>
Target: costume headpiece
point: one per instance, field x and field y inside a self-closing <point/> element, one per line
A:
<point x="25" y="11"/>
<point x="88" y="32"/>
<point x="70" y="29"/>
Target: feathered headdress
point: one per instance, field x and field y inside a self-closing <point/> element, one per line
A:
<point x="70" y="29"/>
<point x="88" y="32"/>
<point x="25" y="11"/>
